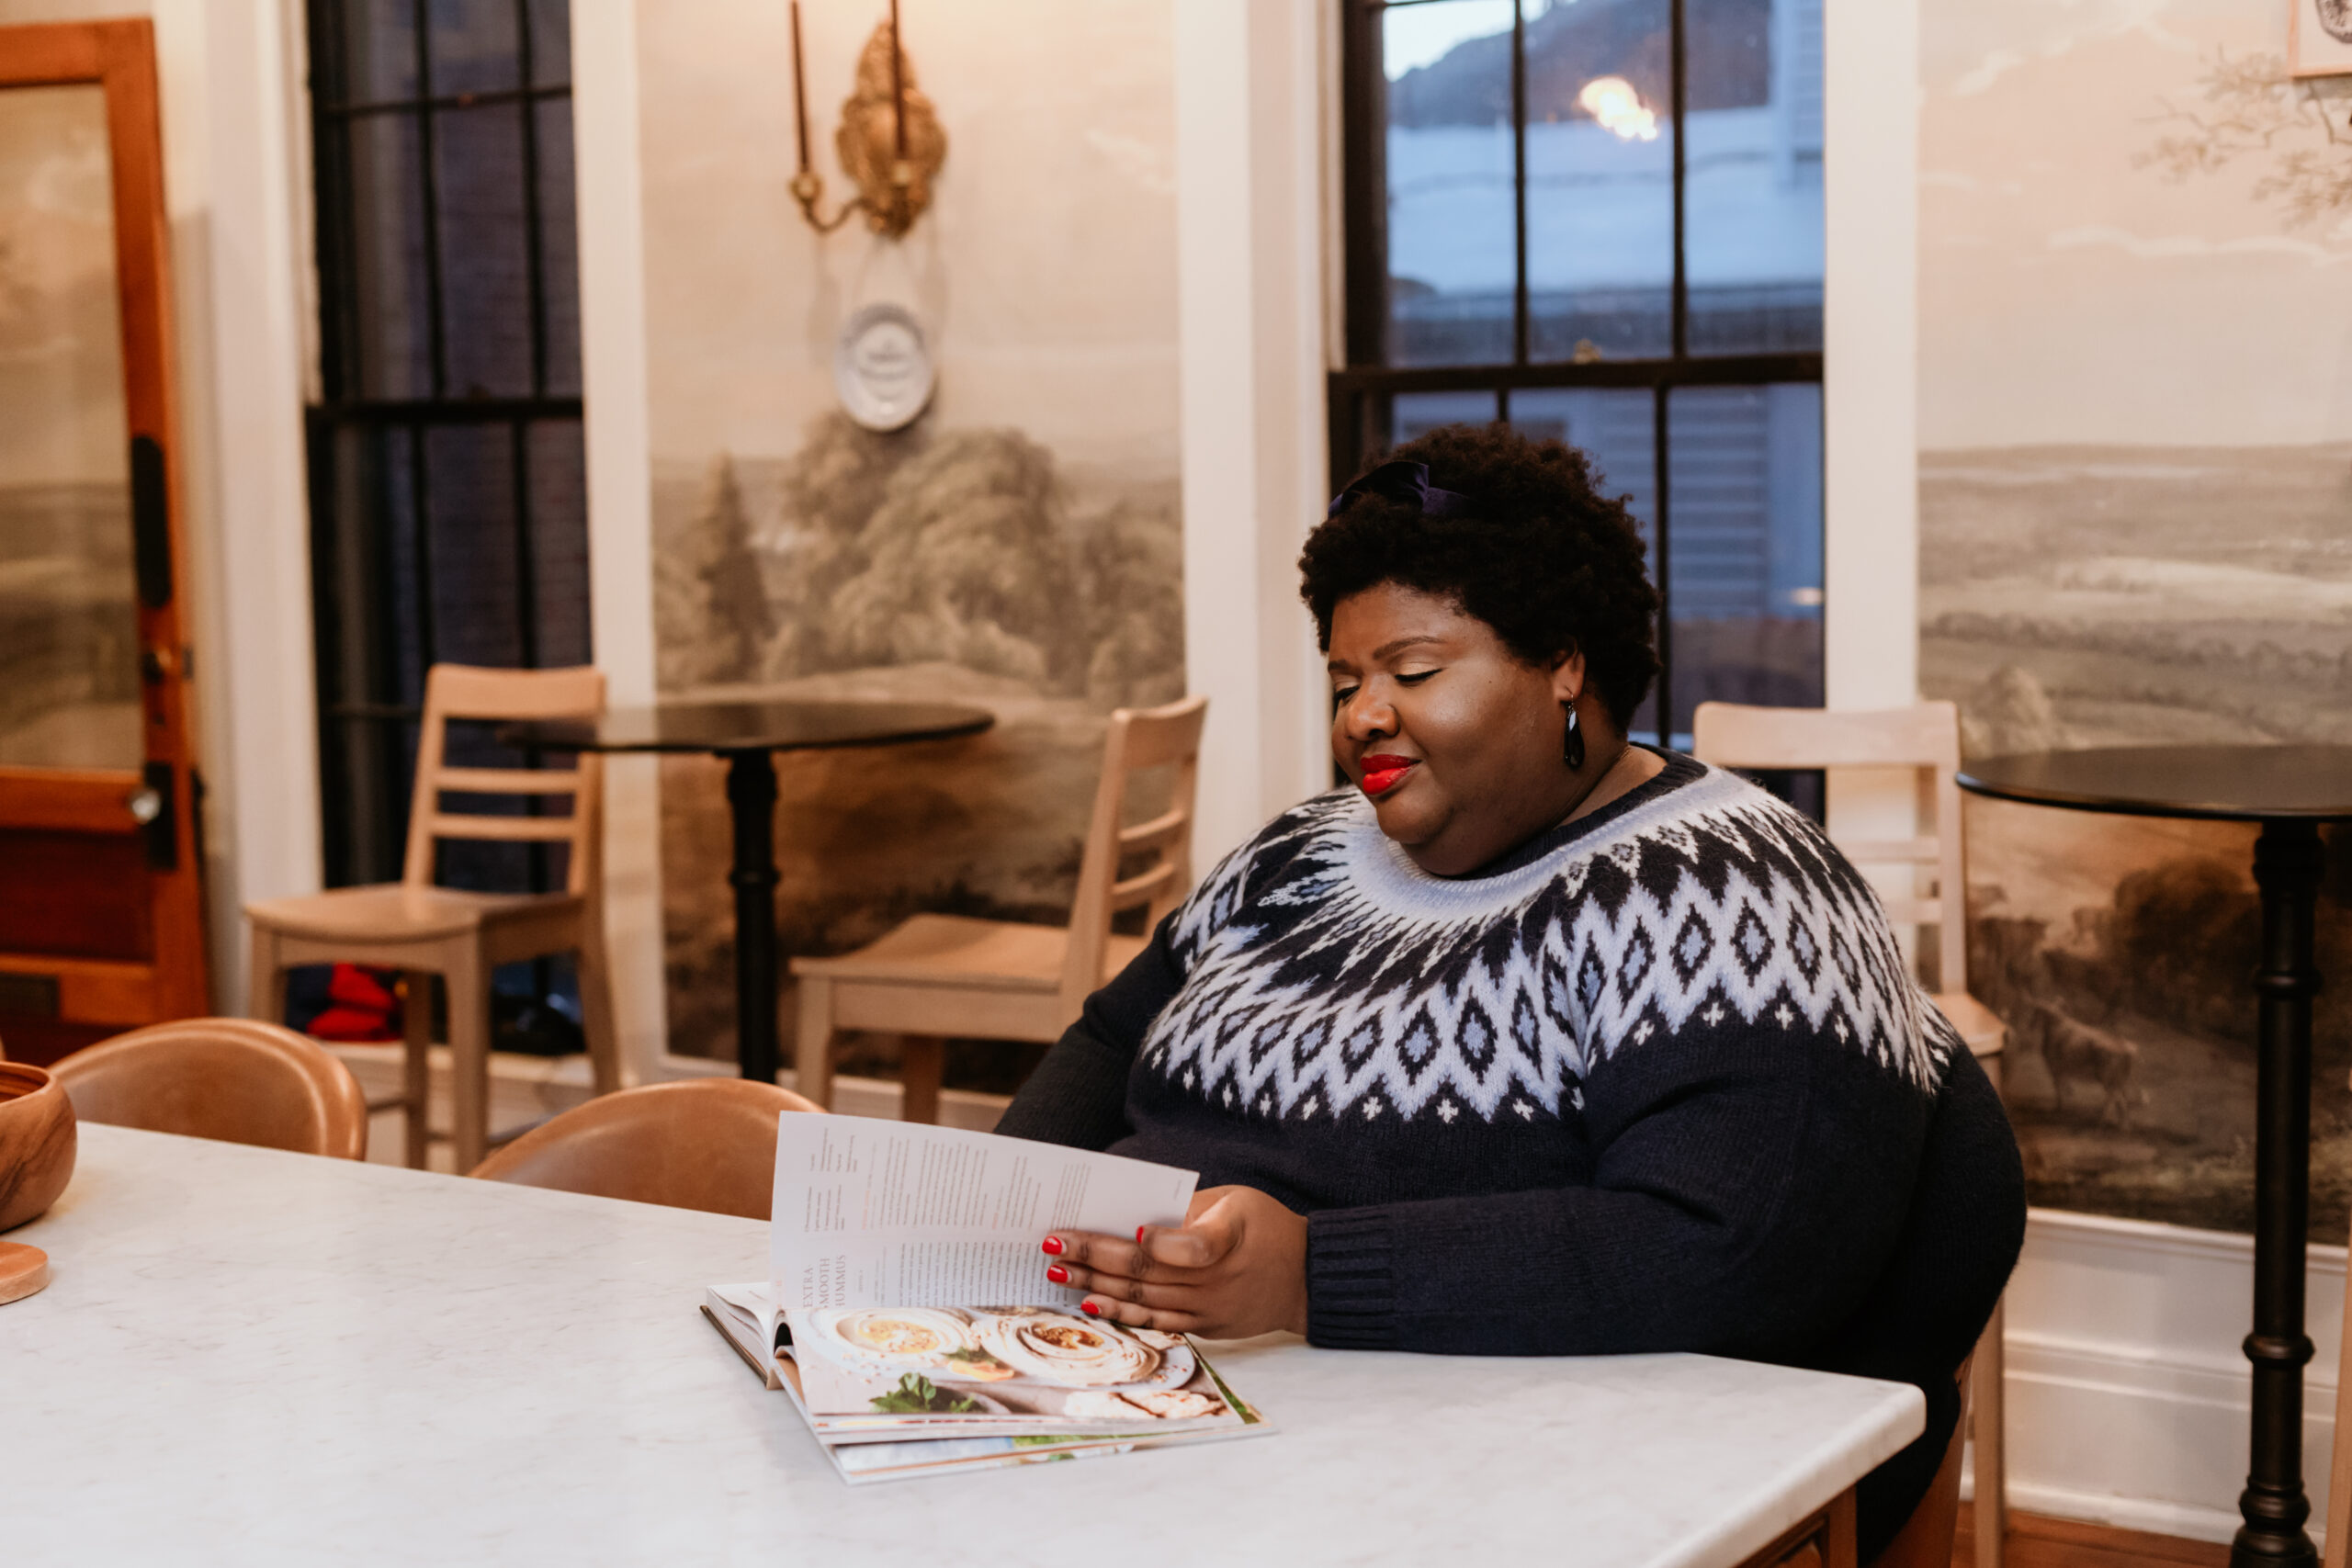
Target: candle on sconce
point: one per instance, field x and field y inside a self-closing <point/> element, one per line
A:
<point x="800" y="90"/>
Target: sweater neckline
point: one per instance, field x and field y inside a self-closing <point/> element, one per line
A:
<point x="1679" y="771"/>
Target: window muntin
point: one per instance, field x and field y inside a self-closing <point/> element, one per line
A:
<point x="1603" y="221"/>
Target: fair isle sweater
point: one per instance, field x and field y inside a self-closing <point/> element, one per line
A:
<point x="1656" y="1080"/>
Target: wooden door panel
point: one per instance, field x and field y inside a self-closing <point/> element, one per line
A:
<point x="80" y="895"/>
<point x="101" y="910"/>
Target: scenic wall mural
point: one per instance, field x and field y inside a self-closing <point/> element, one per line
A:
<point x="2136" y="528"/>
<point x="1018" y="549"/>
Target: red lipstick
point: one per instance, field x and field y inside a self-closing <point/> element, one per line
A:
<point x="1382" y="772"/>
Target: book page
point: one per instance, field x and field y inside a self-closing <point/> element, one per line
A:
<point x="896" y="1214"/>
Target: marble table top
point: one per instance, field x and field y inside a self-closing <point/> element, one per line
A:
<point x="258" y="1358"/>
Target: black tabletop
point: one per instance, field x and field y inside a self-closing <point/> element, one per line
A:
<point x="2235" y="783"/>
<point x="751" y="726"/>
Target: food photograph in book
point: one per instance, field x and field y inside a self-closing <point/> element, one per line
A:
<point x="1000" y="1362"/>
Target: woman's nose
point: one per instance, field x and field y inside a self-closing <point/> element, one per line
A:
<point x="1367" y="717"/>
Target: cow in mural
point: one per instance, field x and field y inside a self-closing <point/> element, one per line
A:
<point x="2083" y="1055"/>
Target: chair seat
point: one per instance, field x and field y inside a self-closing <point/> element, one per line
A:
<point x="1980" y="1028"/>
<point x="391" y="912"/>
<point x="954" y="950"/>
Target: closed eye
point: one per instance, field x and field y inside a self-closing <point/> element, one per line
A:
<point x="1416" y="679"/>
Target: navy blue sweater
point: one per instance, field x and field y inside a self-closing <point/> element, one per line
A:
<point x="1656" y="1080"/>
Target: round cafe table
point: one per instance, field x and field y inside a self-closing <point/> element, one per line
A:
<point x="749" y="735"/>
<point x="2291" y="791"/>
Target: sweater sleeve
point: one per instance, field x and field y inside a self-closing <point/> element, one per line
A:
<point x="1078" y="1095"/>
<point x="1747" y="1189"/>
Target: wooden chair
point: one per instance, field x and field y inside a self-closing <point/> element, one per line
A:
<point x="1926" y="1539"/>
<point x="231" y="1078"/>
<point x="1925" y="737"/>
<point x="942" y="975"/>
<point x="422" y="929"/>
<point x="706" y="1144"/>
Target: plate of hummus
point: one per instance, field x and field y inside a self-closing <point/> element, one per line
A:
<point x="1077" y="1352"/>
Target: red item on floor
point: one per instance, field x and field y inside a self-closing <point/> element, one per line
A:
<point x="361" y="1007"/>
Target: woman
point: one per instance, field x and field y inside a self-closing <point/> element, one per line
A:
<point x="1531" y="1041"/>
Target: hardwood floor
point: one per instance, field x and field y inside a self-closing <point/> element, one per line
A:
<point x="2039" y="1542"/>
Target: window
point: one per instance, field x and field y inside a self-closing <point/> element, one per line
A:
<point x="1602" y="221"/>
<point x="448" y="510"/>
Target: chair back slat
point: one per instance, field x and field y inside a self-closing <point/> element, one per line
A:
<point x="1924" y="737"/>
<point x="1893" y="851"/>
<point x="464" y="692"/>
<point x="1138" y="891"/>
<point x="1166" y="828"/>
<point x="503" y="829"/>
<point x="510" y="781"/>
<point x="1138" y="738"/>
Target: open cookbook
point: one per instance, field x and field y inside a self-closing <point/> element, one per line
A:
<point x="884" y="1231"/>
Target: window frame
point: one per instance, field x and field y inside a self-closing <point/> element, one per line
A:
<point x="365" y="744"/>
<point x="1360" y="394"/>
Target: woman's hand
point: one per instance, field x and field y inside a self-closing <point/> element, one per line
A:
<point x="1236" y="1266"/>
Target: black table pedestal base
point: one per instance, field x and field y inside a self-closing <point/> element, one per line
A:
<point x="750" y="798"/>
<point x="2287" y="865"/>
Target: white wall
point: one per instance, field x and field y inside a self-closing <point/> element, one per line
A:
<point x="620" y="500"/>
<point x="1253" y="111"/>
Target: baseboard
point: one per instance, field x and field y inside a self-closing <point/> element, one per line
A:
<point x="2128" y="1393"/>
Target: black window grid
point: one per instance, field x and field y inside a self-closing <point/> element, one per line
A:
<point x="1362" y="393"/>
<point x="407" y="461"/>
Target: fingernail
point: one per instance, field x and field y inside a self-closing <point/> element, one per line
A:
<point x="1092" y="1310"/>
<point x="1140" y="1230"/>
<point x="1057" y="1274"/>
<point x="1053" y="1243"/>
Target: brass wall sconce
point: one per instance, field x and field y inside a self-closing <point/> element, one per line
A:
<point x="889" y="141"/>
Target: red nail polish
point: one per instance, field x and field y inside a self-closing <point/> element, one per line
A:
<point x="1057" y="1274"/>
<point x="1140" y="1230"/>
<point x="1053" y="1243"/>
<point x="1092" y="1310"/>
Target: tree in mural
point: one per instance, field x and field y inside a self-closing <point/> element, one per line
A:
<point x="2250" y="108"/>
<point x="831" y="490"/>
<point x="966" y="561"/>
<point x="712" y="615"/>
<point x="1130" y="568"/>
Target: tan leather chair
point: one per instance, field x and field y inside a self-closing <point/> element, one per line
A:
<point x="706" y="1144"/>
<point x="231" y="1078"/>
<point x="422" y="929"/>
<point x="1926" y="738"/>
<point x="942" y="975"/>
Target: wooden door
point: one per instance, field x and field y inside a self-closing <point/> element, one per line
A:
<point x="101" y="910"/>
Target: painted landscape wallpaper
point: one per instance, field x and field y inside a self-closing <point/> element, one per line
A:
<point x="1017" y="548"/>
<point x="2136" y="528"/>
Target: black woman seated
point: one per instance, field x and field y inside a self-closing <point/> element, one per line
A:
<point x="1532" y="1040"/>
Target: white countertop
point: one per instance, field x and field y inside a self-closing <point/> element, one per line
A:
<point x="256" y="1358"/>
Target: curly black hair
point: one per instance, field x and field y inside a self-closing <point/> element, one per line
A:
<point x="1553" y="566"/>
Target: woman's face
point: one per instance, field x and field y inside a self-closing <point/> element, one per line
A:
<point x="1453" y="737"/>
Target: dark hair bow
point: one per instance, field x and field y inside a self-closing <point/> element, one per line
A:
<point x="1407" y="482"/>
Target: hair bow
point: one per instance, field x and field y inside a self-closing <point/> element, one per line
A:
<point x="1407" y="482"/>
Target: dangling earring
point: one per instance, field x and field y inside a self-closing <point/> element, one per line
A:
<point x="1572" y="749"/>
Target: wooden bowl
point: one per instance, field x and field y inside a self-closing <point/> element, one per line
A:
<point x="35" y="1142"/>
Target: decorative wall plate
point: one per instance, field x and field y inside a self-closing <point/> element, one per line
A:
<point x="882" y="367"/>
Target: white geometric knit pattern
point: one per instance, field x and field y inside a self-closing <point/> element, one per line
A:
<point x="1352" y="984"/>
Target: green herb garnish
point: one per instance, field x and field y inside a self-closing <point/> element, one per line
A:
<point x="917" y="1395"/>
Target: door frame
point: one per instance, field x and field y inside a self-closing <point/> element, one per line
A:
<point x="118" y="57"/>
